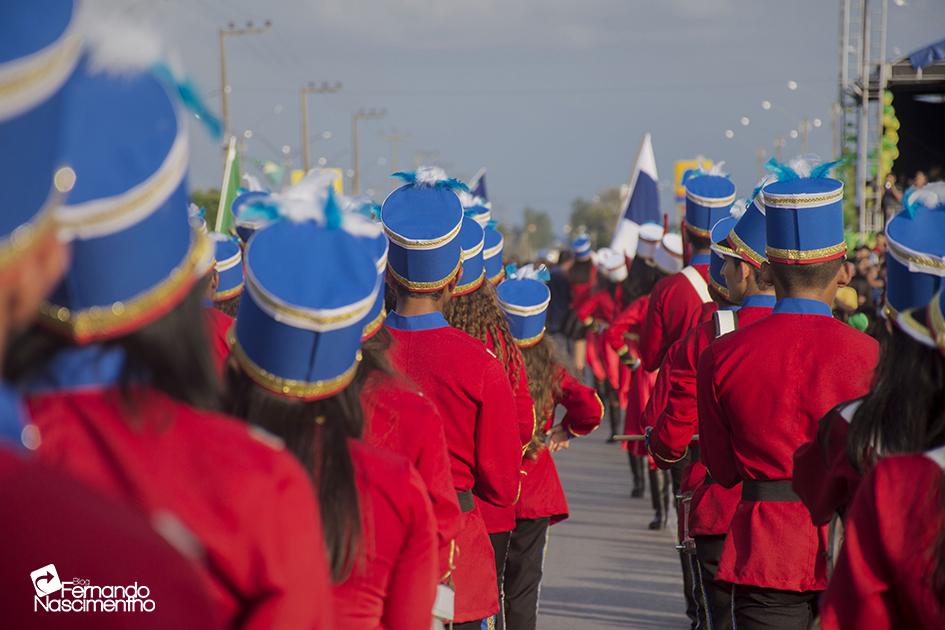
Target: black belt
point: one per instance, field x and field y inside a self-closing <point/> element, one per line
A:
<point x="466" y="503"/>
<point x="780" y="490"/>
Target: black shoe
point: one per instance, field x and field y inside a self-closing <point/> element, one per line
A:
<point x="612" y="438"/>
<point x="636" y="493"/>
<point x="658" y="522"/>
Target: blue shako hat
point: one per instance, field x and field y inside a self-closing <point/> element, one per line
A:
<point x="377" y="247"/>
<point x="493" y="242"/>
<point x="748" y="238"/>
<point x="247" y="226"/>
<point x="39" y="49"/>
<point x="476" y="208"/>
<point x="709" y="199"/>
<point x="135" y="253"/>
<point x="422" y="220"/>
<point x="582" y="247"/>
<point x="310" y="284"/>
<point x="524" y="300"/>
<point x="719" y="232"/>
<point x="915" y="265"/>
<point x="926" y="323"/>
<point x="472" y="239"/>
<point x="803" y="214"/>
<point x="228" y="263"/>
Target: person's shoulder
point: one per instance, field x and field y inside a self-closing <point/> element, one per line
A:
<point x="396" y="393"/>
<point x="236" y="448"/>
<point x="913" y="473"/>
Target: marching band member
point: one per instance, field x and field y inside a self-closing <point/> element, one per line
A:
<point x="37" y="498"/>
<point x="475" y="310"/>
<point x="542" y="503"/>
<point x="829" y="468"/>
<point x="676" y="302"/>
<point x="774" y="555"/>
<point x="891" y="569"/>
<point x="296" y="348"/>
<point x="469" y="386"/>
<point x="118" y="374"/>
<point x="399" y="418"/>
<point x="740" y="244"/>
<point x="623" y="336"/>
<point x="583" y="279"/>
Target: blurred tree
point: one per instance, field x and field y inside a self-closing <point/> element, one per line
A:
<point x="597" y="217"/>
<point x="207" y="199"/>
<point x="537" y="224"/>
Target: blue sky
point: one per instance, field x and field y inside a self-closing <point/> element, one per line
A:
<point x="552" y="96"/>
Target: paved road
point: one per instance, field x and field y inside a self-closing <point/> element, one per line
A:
<point x="603" y="568"/>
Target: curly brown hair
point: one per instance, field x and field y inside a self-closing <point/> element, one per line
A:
<point x="478" y="314"/>
<point x="542" y="366"/>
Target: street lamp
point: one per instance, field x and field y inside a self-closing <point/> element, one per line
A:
<point x="766" y="105"/>
<point x="745" y="121"/>
<point x="225" y="88"/>
<point x="792" y="85"/>
<point x="729" y="134"/>
<point x="323" y="88"/>
<point x="361" y="114"/>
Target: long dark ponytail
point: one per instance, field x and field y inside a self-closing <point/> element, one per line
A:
<point x="317" y="433"/>
<point x="904" y="413"/>
<point x="905" y="410"/>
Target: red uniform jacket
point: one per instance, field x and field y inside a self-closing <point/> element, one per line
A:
<point x="219" y="324"/>
<point x="472" y="393"/>
<point x="503" y="519"/>
<point x="246" y="501"/>
<point x="712" y="506"/>
<point x="623" y="337"/>
<point x="600" y="307"/>
<point x="824" y="477"/>
<point x="761" y="390"/>
<point x="51" y="517"/>
<point x="399" y="418"/>
<point x="674" y="309"/>
<point x="882" y="578"/>
<point x="542" y="494"/>
<point x="393" y="582"/>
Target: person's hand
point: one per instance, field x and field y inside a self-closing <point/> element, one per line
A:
<point x="559" y="438"/>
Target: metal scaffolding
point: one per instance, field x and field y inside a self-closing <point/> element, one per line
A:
<point x="863" y="73"/>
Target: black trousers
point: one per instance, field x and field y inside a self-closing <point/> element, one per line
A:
<point x="717" y="595"/>
<point x="500" y="547"/>
<point x="523" y="572"/>
<point x="759" y="608"/>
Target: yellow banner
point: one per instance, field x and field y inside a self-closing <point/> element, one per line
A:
<point x="681" y="169"/>
<point x="337" y="177"/>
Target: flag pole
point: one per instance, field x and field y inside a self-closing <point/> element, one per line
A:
<point x="221" y="207"/>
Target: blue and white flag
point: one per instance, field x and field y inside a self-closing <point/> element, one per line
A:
<point x="477" y="185"/>
<point x="642" y="201"/>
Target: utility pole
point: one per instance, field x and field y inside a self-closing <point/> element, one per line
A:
<point x="304" y="91"/>
<point x="395" y="139"/>
<point x="361" y="114"/>
<point x="232" y="30"/>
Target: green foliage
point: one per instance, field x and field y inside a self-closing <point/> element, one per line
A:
<point x="597" y="217"/>
<point x="208" y="200"/>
